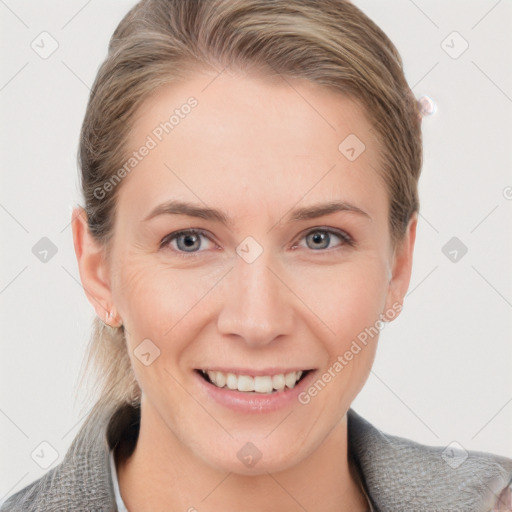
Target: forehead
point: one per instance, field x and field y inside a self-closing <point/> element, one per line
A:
<point x="220" y="138"/>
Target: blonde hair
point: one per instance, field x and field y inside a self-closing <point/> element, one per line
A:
<point x="329" y="42"/>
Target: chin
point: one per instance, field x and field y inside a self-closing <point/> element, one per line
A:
<point x="249" y="460"/>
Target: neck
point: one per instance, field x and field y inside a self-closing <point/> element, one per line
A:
<point x="162" y="474"/>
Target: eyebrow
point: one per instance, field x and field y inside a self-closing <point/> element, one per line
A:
<point x="175" y="207"/>
<point x="319" y="210"/>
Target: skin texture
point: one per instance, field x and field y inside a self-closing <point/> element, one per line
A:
<point x="256" y="149"/>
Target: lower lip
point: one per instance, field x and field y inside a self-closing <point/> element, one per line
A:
<point x="254" y="402"/>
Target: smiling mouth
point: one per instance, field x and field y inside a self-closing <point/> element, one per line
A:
<point x="264" y="384"/>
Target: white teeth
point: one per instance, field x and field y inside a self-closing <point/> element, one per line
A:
<point x="278" y="382"/>
<point x="263" y="384"/>
<point x="220" y="380"/>
<point x="258" y="384"/>
<point x="290" y="379"/>
<point x="231" y="381"/>
<point x="245" y="383"/>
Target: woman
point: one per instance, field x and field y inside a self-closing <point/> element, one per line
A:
<point x="249" y="172"/>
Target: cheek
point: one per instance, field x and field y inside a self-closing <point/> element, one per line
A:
<point x="145" y="299"/>
<point x="345" y="299"/>
<point x="351" y="306"/>
<point x="158" y="302"/>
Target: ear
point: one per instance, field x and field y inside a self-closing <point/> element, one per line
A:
<point x="401" y="269"/>
<point x="93" y="268"/>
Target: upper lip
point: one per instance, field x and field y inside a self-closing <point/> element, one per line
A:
<point x="253" y="372"/>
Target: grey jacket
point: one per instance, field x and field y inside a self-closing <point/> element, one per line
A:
<point x="399" y="475"/>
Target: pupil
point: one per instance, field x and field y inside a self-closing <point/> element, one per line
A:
<point x="321" y="240"/>
<point x="188" y="241"/>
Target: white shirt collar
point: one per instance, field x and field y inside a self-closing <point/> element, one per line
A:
<point x="121" y="507"/>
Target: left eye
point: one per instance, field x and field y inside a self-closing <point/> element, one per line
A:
<point x="191" y="240"/>
<point x="186" y="241"/>
<point x="319" y="239"/>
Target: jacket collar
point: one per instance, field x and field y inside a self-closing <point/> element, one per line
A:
<point x="401" y="474"/>
<point x="398" y="474"/>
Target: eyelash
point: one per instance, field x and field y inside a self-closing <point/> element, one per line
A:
<point x="164" y="244"/>
<point x="345" y="239"/>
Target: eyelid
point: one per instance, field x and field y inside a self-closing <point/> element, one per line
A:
<point x="165" y="242"/>
<point x="343" y="235"/>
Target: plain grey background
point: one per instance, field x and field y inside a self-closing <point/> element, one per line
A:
<point x="443" y="369"/>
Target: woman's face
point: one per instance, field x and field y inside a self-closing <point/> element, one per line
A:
<point x="288" y="265"/>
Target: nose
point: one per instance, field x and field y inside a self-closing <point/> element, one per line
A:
<point x="257" y="307"/>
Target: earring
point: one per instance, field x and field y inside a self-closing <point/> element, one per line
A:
<point x="109" y="315"/>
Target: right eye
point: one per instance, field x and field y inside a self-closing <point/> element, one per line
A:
<point x="185" y="241"/>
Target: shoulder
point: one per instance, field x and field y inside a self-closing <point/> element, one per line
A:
<point x="398" y="471"/>
<point x="82" y="481"/>
<point x="68" y="486"/>
<point x="399" y="474"/>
